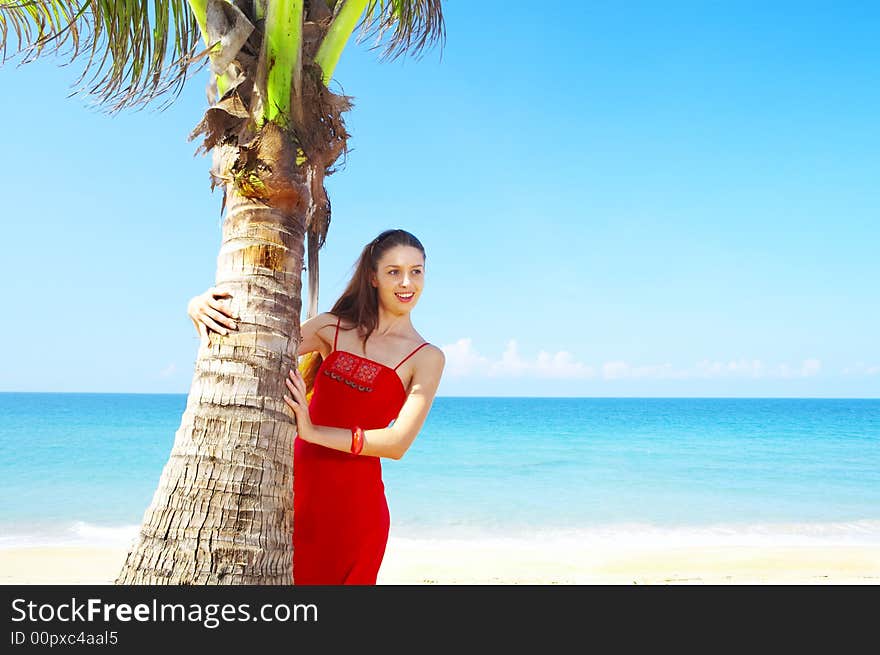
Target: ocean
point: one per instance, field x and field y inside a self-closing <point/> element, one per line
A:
<point x="80" y="469"/>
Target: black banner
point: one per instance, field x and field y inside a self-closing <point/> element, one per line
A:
<point x="232" y="619"/>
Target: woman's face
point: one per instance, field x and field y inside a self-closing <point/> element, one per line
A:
<point x="399" y="278"/>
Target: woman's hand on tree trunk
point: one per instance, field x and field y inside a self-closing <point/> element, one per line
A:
<point x="209" y="312"/>
<point x="297" y="402"/>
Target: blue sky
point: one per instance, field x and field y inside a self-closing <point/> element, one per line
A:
<point x="616" y="200"/>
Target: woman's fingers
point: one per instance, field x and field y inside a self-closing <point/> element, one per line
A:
<point x="212" y="325"/>
<point x="212" y="314"/>
<point x="221" y="318"/>
<point x="296" y="378"/>
<point x="297" y="392"/>
<point x="297" y="401"/>
<point x="292" y="404"/>
<point x="222" y="307"/>
<point x="203" y="333"/>
<point x="295" y="406"/>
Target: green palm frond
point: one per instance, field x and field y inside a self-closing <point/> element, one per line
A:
<point x="136" y="50"/>
<point x="404" y="26"/>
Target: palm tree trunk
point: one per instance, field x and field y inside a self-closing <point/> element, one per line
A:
<point x="223" y="509"/>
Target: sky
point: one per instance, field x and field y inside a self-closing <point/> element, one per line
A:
<point x="616" y="199"/>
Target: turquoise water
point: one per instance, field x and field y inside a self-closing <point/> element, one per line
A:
<point x="82" y="468"/>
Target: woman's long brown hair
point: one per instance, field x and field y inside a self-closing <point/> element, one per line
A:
<point x="358" y="305"/>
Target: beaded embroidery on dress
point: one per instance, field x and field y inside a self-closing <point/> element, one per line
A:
<point x="353" y="371"/>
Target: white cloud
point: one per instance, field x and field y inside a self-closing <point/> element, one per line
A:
<point x="462" y="359"/>
<point x="511" y="364"/>
<point x="862" y="369"/>
<point x="615" y="370"/>
<point x="755" y="368"/>
<point x="810" y="367"/>
<point x="168" y="371"/>
<point x="618" y="370"/>
<point x="562" y="365"/>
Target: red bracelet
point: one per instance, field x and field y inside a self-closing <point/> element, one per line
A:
<point x="357" y="440"/>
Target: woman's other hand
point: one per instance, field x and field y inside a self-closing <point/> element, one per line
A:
<point x="210" y="312"/>
<point x="298" y="403"/>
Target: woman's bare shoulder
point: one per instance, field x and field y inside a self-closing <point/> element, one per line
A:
<point x="432" y="357"/>
<point x="317" y="332"/>
<point x="319" y="322"/>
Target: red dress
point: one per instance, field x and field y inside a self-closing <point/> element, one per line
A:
<point x="340" y="515"/>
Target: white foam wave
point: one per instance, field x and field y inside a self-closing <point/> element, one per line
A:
<point x="76" y="533"/>
<point x="620" y="535"/>
<point x="640" y="535"/>
<point x="106" y="535"/>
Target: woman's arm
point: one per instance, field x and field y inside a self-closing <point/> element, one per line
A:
<point x="312" y="339"/>
<point x="210" y="312"/>
<point x="390" y="442"/>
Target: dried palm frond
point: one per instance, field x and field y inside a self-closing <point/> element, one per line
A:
<point x="137" y="50"/>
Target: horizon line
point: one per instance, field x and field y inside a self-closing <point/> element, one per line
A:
<point x="172" y="393"/>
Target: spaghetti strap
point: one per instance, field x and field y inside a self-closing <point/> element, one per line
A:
<point x="411" y="354"/>
<point x="336" y="337"/>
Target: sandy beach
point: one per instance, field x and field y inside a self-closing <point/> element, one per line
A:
<point x="518" y="561"/>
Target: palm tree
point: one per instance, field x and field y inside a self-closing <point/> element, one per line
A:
<point x="223" y="509"/>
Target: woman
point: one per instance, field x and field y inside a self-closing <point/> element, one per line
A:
<point x="365" y="395"/>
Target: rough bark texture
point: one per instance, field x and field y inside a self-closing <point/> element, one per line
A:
<point x="223" y="510"/>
